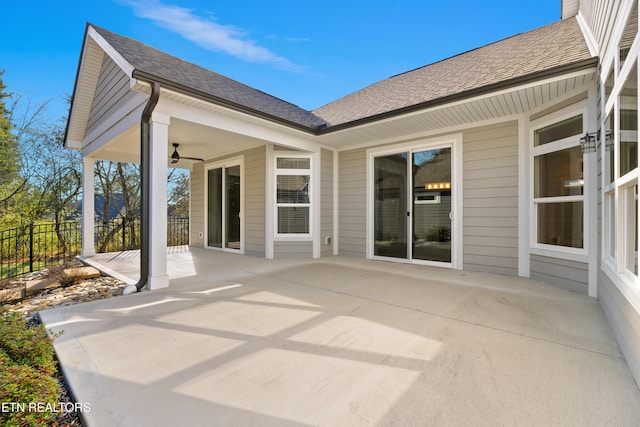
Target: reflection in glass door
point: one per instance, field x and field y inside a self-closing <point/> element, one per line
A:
<point x="390" y="206"/>
<point x="224" y="201"/>
<point x="412" y="205"/>
<point x="432" y="205"/>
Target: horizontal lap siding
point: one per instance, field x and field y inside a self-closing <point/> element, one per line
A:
<point x="490" y="199"/>
<point x="112" y="91"/>
<point x="569" y="275"/>
<point x="624" y="321"/>
<point x="196" y="212"/>
<point x="254" y="201"/>
<point x="291" y="250"/>
<point x="326" y="202"/>
<point x="352" y="203"/>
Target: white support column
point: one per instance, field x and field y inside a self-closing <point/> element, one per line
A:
<point x="88" y="207"/>
<point x="159" y="134"/>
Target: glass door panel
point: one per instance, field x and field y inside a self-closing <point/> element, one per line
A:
<point x="232" y="178"/>
<point x="214" y="208"/>
<point x="390" y="206"/>
<point x="431" y="205"/>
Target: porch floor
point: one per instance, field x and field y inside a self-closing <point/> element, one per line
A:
<point x="237" y="340"/>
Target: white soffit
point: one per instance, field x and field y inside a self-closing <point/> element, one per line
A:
<point x="506" y="103"/>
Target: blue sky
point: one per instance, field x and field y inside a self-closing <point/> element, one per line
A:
<point x="307" y="53"/>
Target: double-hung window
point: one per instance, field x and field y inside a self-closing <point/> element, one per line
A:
<point x="293" y="195"/>
<point x="558" y="186"/>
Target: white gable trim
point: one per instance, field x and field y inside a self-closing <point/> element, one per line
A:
<point x="592" y="44"/>
<point x="113" y="53"/>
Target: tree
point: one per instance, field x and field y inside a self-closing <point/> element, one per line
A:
<point x="10" y="162"/>
<point x="179" y="195"/>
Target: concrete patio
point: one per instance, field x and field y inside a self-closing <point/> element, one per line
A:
<point x="245" y="341"/>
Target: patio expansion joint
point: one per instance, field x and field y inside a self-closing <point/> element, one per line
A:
<point x="443" y="316"/>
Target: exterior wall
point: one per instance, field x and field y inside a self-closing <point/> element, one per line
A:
<point x="599" y="16"/>
<point x="326" y="207"/>
<point x="254" y="201"/>
<point x="291" y="250"/>
<point x="624" y="321"/>
<point x="112" y="92"/>
<point x="352" y="202"/>
<point x="196" y="205"/>
<point x="569" y="275"/>
<point x="490" y="199"/>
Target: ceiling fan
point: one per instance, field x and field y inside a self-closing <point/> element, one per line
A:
<point x="175" y="156"/>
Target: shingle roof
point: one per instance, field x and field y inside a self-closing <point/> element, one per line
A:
<point x="555" y="45"/>
<point x="167" y="68"/>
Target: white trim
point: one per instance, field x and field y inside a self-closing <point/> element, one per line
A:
<point x="312" y="172"/>
<point x="88" y="207"/>
<point x="592" y="44"/>
<point x="223" y="165"/>
<point x="453" y="141"/>
<point x="552" y="252"/>
<point x="113" y="53"/>
<point x="270" y="202"/>
<point x="523" y="199"/>
<point x="336" y="201"/>
<point x="591" y="200"/>
<point x="580" y="108"/>
<point x="315" y="208"/>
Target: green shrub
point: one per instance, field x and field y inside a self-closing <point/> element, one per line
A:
<point x="23" y="384"/>
<point x="439" y="233"/>
<point x="27" y="366"/>
<point x="26" y="346"/>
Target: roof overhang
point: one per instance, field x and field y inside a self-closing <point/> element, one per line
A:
<point x="504" y="100"/>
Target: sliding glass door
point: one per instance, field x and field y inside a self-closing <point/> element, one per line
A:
<point x="224" y="207"/>
<point x="412" y="205"/>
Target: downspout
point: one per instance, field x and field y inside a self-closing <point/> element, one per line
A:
<point x="145" y="180"/>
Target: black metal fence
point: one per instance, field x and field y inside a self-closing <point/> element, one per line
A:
<point x="32" y="247"/>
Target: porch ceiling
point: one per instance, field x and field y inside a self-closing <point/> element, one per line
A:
<point x="195" y="141"/>
<point x="506" y="103"/>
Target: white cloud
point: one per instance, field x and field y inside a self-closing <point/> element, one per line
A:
<point x="206" y="33"/>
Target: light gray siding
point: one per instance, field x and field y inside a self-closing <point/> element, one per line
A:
<point x="490" y="199"/>
<point x="600" y="17"/>
<point x="293" y="250"/>
<point x="112" y="92"/>
<point x="254" y="201"/>
<point x="624" y="321"/>
<point x="326" y="202"/>
<point x="569" y="275"/>
<point x="196" y="203"/>
<point x="352" y="203"/>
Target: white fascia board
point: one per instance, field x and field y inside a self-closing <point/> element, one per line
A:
<point x="191" y="113"/>
<point x="592" y="44"/>
<point x="111" y="51"/>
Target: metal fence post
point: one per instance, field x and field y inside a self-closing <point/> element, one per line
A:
<point x="31" y="247"/>
<point x="124" y="231"/>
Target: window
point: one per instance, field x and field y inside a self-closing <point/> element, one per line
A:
<point x="293" y="199"/>
<point x="620" y="167"/>
<point x="558" y="193"/>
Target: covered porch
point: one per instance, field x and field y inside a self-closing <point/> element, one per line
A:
<point x="240" y="340"/>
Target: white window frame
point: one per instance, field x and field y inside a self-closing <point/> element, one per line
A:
<point x="277" y="172"/>
<point x="615" y="269"/>
<point x="565" y="252"/>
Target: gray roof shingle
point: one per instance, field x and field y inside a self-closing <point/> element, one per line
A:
<point x="554" y="45"/>
<point x="153" y="62"/>
<point x="527" y="54"/>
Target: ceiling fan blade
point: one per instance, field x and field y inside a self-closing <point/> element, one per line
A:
<point x="192" y="158"/>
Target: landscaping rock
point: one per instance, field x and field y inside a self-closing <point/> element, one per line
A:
<point x="12" y="294"/>
<point x="36" y="286"/>
<point x="82" y="272"/>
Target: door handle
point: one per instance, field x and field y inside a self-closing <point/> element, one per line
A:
<point x="450" y="215"/>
